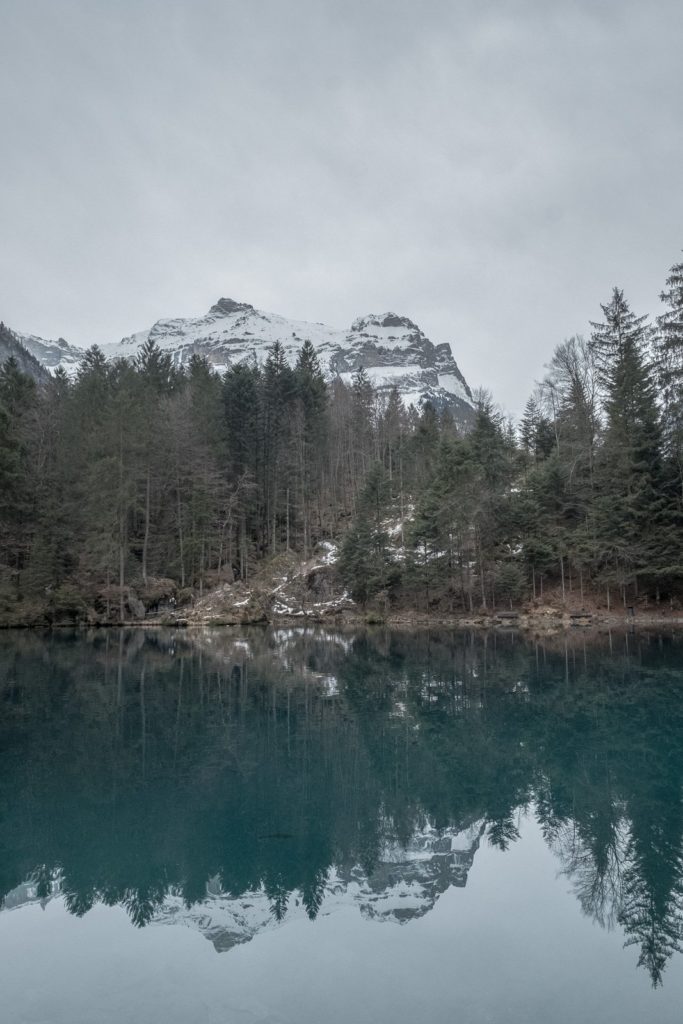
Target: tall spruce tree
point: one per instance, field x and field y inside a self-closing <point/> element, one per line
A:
<point x="310" y="437"/>
<point x="241" y="402"/>
<point x="670" y="371"/>
<point x="278" y="397"/>
<point x="17" y="400"/>
<point x="629" y="510"/>
<point x="365" y="562"/>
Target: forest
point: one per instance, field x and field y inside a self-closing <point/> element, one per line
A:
<point x="138" y="481"/>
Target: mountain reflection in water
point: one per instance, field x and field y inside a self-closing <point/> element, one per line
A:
<point x="234" y="780"/>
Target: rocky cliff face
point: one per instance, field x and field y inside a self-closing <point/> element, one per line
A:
<point x="392" y="349"/>
<point x="52" y="354"/>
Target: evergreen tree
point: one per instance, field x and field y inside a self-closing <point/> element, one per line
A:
<point x="310" y="438"/>
<point x="156" y="368"/>
<point x="362" y="427"/>
<point x="628" y="504"/>
<point x="17" y="400"/>
<point x="536" y="432"/>
<point x="279" y="395"/>
<point x="57" y="534"/>
<point x="670" y="371"/>
<point x="241" y="401"/>
<point x="365" y="564"/>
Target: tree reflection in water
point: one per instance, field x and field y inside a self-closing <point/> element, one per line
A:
<point x="142" y="765"/>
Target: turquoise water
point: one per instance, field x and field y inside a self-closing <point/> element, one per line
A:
<point x="308" y="826"/>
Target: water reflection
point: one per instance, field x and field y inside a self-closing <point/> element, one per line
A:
<point x="232" y="781"/>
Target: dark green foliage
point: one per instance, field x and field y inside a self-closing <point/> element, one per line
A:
<point x="241" y="387"/>
<point x="17" y="403"/>
<point x="669" y="369"/>
<point x="443" y="541"/>
<point x="365" y="563"/>
<point x="630" y="505"/>
<point x="536" y="432"/>
<point x="141" y="471"/>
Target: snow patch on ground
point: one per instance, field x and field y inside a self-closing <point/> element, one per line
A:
<point x="287" y="588"/>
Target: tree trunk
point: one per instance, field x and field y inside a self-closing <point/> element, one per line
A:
<point x="122" y="528"/>
<point x="145" y="543"/>
<point x="180" y="535"/>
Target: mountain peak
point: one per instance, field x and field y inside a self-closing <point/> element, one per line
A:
<point x="224" y="307"/>
<point x="392" y="350"/>
<point x="384" y="320"/>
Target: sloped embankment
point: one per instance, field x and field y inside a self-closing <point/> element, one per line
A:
<point x="285" y="587"/>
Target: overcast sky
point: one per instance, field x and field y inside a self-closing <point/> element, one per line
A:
<point x="489" y="169"/>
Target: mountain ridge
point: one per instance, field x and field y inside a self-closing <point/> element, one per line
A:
<point x="391" y="348"/>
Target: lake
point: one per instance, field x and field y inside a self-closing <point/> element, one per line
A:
<point x="308" y="825"/>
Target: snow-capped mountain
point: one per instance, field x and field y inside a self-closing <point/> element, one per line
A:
<point x="392" y="349"/>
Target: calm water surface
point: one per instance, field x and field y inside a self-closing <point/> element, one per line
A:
<point x="309" y="826"/>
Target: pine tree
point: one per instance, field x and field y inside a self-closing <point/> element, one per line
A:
<point x="494" y="456"/>
<point x="441" y="532"/>
<point x="310" y="437"/>
<point x="629" y="467"/>
<point x="670" y="370"/>
<point x="536" y="431"/>
<point x="362" y="439"/>
<point x="17" y="400"/>
<point x="279" y="395"/>
<point x="53" y="558"/>
<point x="365" y="562"/>
<point x="241" y="404"/>
<point x="156" y="368"/>
<point x="157" y="378"/>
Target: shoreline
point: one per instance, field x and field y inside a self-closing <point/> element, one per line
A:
<point x="522" y="622"/>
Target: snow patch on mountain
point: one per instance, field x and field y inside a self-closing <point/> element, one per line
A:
<point x="392" y="349"/>
<point x="52" y="354"/>
<point x="12" y="347"/>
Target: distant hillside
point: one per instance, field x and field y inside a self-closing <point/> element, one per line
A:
<point x="11" y="346"/>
